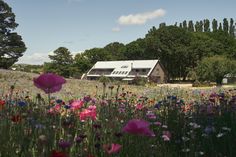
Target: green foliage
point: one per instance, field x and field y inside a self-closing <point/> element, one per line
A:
<point x="139" y="81"/>
<point x="104" y="79"/>
<point x="12" y="46"/>
<point x="215" y="68"/>
<point x="170" y="45"/>
<point x="135" y="50"/>
<point x="206" y="24"/>
<point x="62" y="62"/>
<point x="225" y="25"/>
<point x="116" y="49"/>
<point x="97" y="54"/>
<point x="214" y="25"/>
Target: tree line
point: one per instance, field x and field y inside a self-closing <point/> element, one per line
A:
<point x="180" y="48"/>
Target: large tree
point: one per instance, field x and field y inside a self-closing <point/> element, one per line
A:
<point x="116" y="49"/>
<point x="170" y="45"/>
<point x="61" y="62"/>
<point x="11" y="45"/>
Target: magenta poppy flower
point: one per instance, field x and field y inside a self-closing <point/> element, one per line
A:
<point x="138" y="127"/>
<point x="49" y="82"/>
<point x="113" y="148"/>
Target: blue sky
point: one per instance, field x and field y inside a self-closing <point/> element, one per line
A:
<point x="78" y="25"/>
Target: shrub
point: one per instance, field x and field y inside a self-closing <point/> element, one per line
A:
<point x="140" y="81"/>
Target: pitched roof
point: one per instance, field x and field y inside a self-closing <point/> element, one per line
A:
<point x="125" y="66"/>
<point x="117" y="64"/>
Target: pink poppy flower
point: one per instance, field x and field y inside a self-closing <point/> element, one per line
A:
<point x="139" y="106"/>
<point x="55" y="109"/>
<point x="92" y="107"/>
<point x="49" y="82"/>
<point x="76" y="105"/>
<point x="138" y="127"/>
<point x="85" y="114"/>
<point x="112" y="149"/>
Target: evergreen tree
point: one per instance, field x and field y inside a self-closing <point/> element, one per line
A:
<point x="201" y="26"/>
<point x="185" y="24"/>
<point x="206" y="25"/>
<point x="220" y="27"/>
<point x="214" y="25"/>
<point x="11" y="45"/>
<point x="225" y="25"/>
<point x="61" y="62"/>
<point x="197" y="26"/>
<point x="190" y="26"/>
<point x="231" y="27"/>
<point x="163" y="24"/>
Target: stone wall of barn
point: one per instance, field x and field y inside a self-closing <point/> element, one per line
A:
<point x="158" y="74"/>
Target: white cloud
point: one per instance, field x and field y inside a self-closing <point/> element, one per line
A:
<point x="116" y="29"/>
<point x="140" y="18"/>
<point x="35" y="58"/>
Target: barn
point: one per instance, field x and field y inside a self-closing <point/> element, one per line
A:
<point x="152" y="70"/>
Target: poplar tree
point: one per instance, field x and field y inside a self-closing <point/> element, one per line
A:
<point x="225" y="25"/>
<point x="214" y="25"/>
<point x="206" y="25"/>
<point x="190" y="26"/>
<point x="231" y="27"/>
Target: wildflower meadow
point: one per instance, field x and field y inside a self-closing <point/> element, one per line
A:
<point x="165" y="123"/>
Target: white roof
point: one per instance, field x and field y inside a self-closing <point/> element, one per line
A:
<point x="122" y="68"/>
<point x="119" y="64"/>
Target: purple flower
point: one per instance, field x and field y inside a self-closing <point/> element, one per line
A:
<point x="64" y="144"/>
<point x="138" y="127"/>
<point x="49" y="82"/>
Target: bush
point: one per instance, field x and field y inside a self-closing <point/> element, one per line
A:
<point x="203" y="84"/>
<point x="139" y="81"/>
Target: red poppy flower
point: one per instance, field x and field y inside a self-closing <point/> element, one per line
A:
<point x="2" y="104"/>
<point x="58" y="154"/>
<point x="49" y="82"/>
<point x="16" y="118"/>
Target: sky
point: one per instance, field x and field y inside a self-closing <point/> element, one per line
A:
<point x="79" y="25"/>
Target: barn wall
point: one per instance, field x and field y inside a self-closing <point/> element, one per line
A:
<point x="158" y="75"/>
